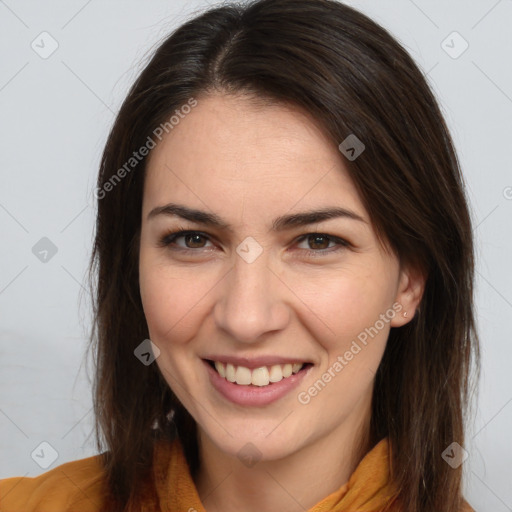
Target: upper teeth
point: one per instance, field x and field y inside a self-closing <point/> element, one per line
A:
<point x="259" y="376"/>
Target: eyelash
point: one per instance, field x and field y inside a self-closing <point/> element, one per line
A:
<point x="169" y="238"/>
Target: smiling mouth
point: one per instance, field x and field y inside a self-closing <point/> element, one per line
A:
<point x="262" y="376"/>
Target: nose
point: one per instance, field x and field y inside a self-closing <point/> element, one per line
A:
<point x="251" y="302"/>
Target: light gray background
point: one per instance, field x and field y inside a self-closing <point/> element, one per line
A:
<point x="55" y="116"/>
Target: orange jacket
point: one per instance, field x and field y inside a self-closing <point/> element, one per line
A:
<point x="78" y="486"/>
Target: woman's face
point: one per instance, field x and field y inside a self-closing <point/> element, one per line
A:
<point x="261" y="285"/>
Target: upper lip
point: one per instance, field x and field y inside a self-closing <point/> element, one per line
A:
<point x="255" y="362"/>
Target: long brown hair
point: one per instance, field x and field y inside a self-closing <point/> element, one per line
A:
<point x="353" y="77"/>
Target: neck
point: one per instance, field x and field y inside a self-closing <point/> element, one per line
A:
<point x="295" y="482"/>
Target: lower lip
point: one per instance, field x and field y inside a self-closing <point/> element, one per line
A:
<point x="254" y="395"/>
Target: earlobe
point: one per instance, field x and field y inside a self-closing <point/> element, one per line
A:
<point x="409" y="294"/>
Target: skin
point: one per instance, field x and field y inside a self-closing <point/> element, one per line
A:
<point x="249" y="164"/>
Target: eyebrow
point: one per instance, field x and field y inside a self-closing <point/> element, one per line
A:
<point x="279" y="224"/>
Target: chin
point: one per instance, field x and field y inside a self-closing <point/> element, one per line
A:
<point x="264" y="440"/>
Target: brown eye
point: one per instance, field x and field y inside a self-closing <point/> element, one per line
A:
<point x="184" y="240"/>
<point x="318" y="244"/>
<point x="318" y="241"/>
<point x="194" y="241"/>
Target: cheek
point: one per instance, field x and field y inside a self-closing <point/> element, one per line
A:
<point x="172" y="300"/>
<point x="346" y="307"/>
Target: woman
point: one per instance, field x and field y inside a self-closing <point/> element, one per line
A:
<point x="283" y="275"/>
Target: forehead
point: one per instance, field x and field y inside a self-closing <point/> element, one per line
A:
<point x="232" y="155"/>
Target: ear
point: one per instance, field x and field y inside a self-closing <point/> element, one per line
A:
<point x="410" y="290"/>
